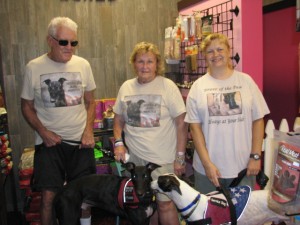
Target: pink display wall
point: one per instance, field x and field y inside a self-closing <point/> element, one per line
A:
<point x="252" y="41"/>
<point x="281" y="64"/>
<point x="247" y="29"/>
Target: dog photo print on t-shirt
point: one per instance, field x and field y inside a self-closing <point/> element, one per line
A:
<point x="61" y="89"/>
<point x="143" y="110"/>
<point x="224" y="104"/>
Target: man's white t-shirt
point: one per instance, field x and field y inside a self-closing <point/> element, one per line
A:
<point x="58" y="93"/>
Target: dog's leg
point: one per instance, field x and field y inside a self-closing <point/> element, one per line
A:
<point x="68" y="211"/>
<point x="138" y="216"/>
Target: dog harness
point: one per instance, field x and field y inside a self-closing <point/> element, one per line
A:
<point x="127" y="195"/>
<point x="221" y="209"/>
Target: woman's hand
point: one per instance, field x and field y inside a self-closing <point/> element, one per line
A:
<point x="213" y="173"/>
<point x="179" y="168"/>
<point x="120" y="152"/>
<point x="253" y="167"/>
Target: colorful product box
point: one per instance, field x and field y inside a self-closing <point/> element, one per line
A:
<point x="101" y="106"/>
<point x="99" y="109"/>
<point x="108" y="102"/>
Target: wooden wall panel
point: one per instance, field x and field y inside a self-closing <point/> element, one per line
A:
<point x="107" y="34"/>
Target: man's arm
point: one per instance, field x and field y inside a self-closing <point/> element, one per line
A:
<point x="87" y="140"/>
<point x="29" y="113"/>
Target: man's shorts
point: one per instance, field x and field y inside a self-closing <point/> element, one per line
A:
<point x="53" y="166"/>
<point x="166" y="168"/>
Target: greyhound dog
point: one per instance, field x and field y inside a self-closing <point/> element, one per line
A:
<point x="130" y="198"/>
<point x="195" y="207"/>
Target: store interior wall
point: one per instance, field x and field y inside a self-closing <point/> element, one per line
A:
<point x="281" y="65"/>
<point x="108" y="31"/>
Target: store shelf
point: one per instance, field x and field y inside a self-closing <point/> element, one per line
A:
<point x="104" y="135"/>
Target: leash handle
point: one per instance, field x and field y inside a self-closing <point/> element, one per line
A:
<point x="239" y="178"/>
<point x="71" y="141"/>
<point x="261" y="179"/>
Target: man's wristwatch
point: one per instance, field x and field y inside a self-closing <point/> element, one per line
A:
<point x="255" y="156"/>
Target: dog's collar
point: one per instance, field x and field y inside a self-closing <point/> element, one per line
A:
<point x="194" y="202"/>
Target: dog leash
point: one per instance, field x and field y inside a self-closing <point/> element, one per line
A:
<point x="232" y="211"/>
<point x="261" y="179"/>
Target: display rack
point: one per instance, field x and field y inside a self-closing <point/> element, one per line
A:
<point x="3" y="176"/>
<point x="3" y="212"/>
<point x="104" y="135"/>
<point x="223" y="22"/>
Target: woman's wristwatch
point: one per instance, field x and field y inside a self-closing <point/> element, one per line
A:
<point x="255" y="156"/>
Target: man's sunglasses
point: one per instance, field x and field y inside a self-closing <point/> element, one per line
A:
<point x="65" y="42"/>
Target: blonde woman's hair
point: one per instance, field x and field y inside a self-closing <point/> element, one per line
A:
<point x="144" y="47"/>
<point x="215" y="36"/>
<point x="57" y="22"/>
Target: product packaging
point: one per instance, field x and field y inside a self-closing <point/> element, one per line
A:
<point x="207" y="25"/>
<point x="198" y="26"/>
<point x="284" y="197"/>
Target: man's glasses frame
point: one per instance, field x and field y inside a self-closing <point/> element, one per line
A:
<point x="65" y="42"/>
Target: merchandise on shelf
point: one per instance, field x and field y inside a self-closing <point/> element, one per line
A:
<point x="5" y="151"/>
<point x="102" y="106"/>
<point x="32" y="199"/>
<point x="26" y="168"/>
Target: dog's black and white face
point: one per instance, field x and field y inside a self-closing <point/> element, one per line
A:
<point x="166" y="184"/>
<point x="56" y="91"/>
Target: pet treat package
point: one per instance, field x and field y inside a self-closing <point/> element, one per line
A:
<point x="198" y="26"/>
<point x="284" y="196"/>
<point x="207" y="25"/>
<point x="168" y="51"/>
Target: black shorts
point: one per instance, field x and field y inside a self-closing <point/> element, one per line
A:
<point x="53" y="166"/>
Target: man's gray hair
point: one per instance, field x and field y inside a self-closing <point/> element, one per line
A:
<point x="57" y="22"/>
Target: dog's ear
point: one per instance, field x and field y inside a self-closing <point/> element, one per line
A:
<point x="151" y="166"/>
<point x="48" y="81"/>
<point x="61" y="80"/>
<point x="168" y="183"/>
<point x="129" y="166"/>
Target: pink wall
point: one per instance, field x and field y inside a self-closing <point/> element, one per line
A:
<point x="252" y="44"/>
<point x="281" y="68"/>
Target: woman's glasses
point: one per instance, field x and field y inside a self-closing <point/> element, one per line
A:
<point x="65" y="42"/>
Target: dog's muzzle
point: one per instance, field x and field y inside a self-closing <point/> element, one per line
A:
<point x="128" y="197"/>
